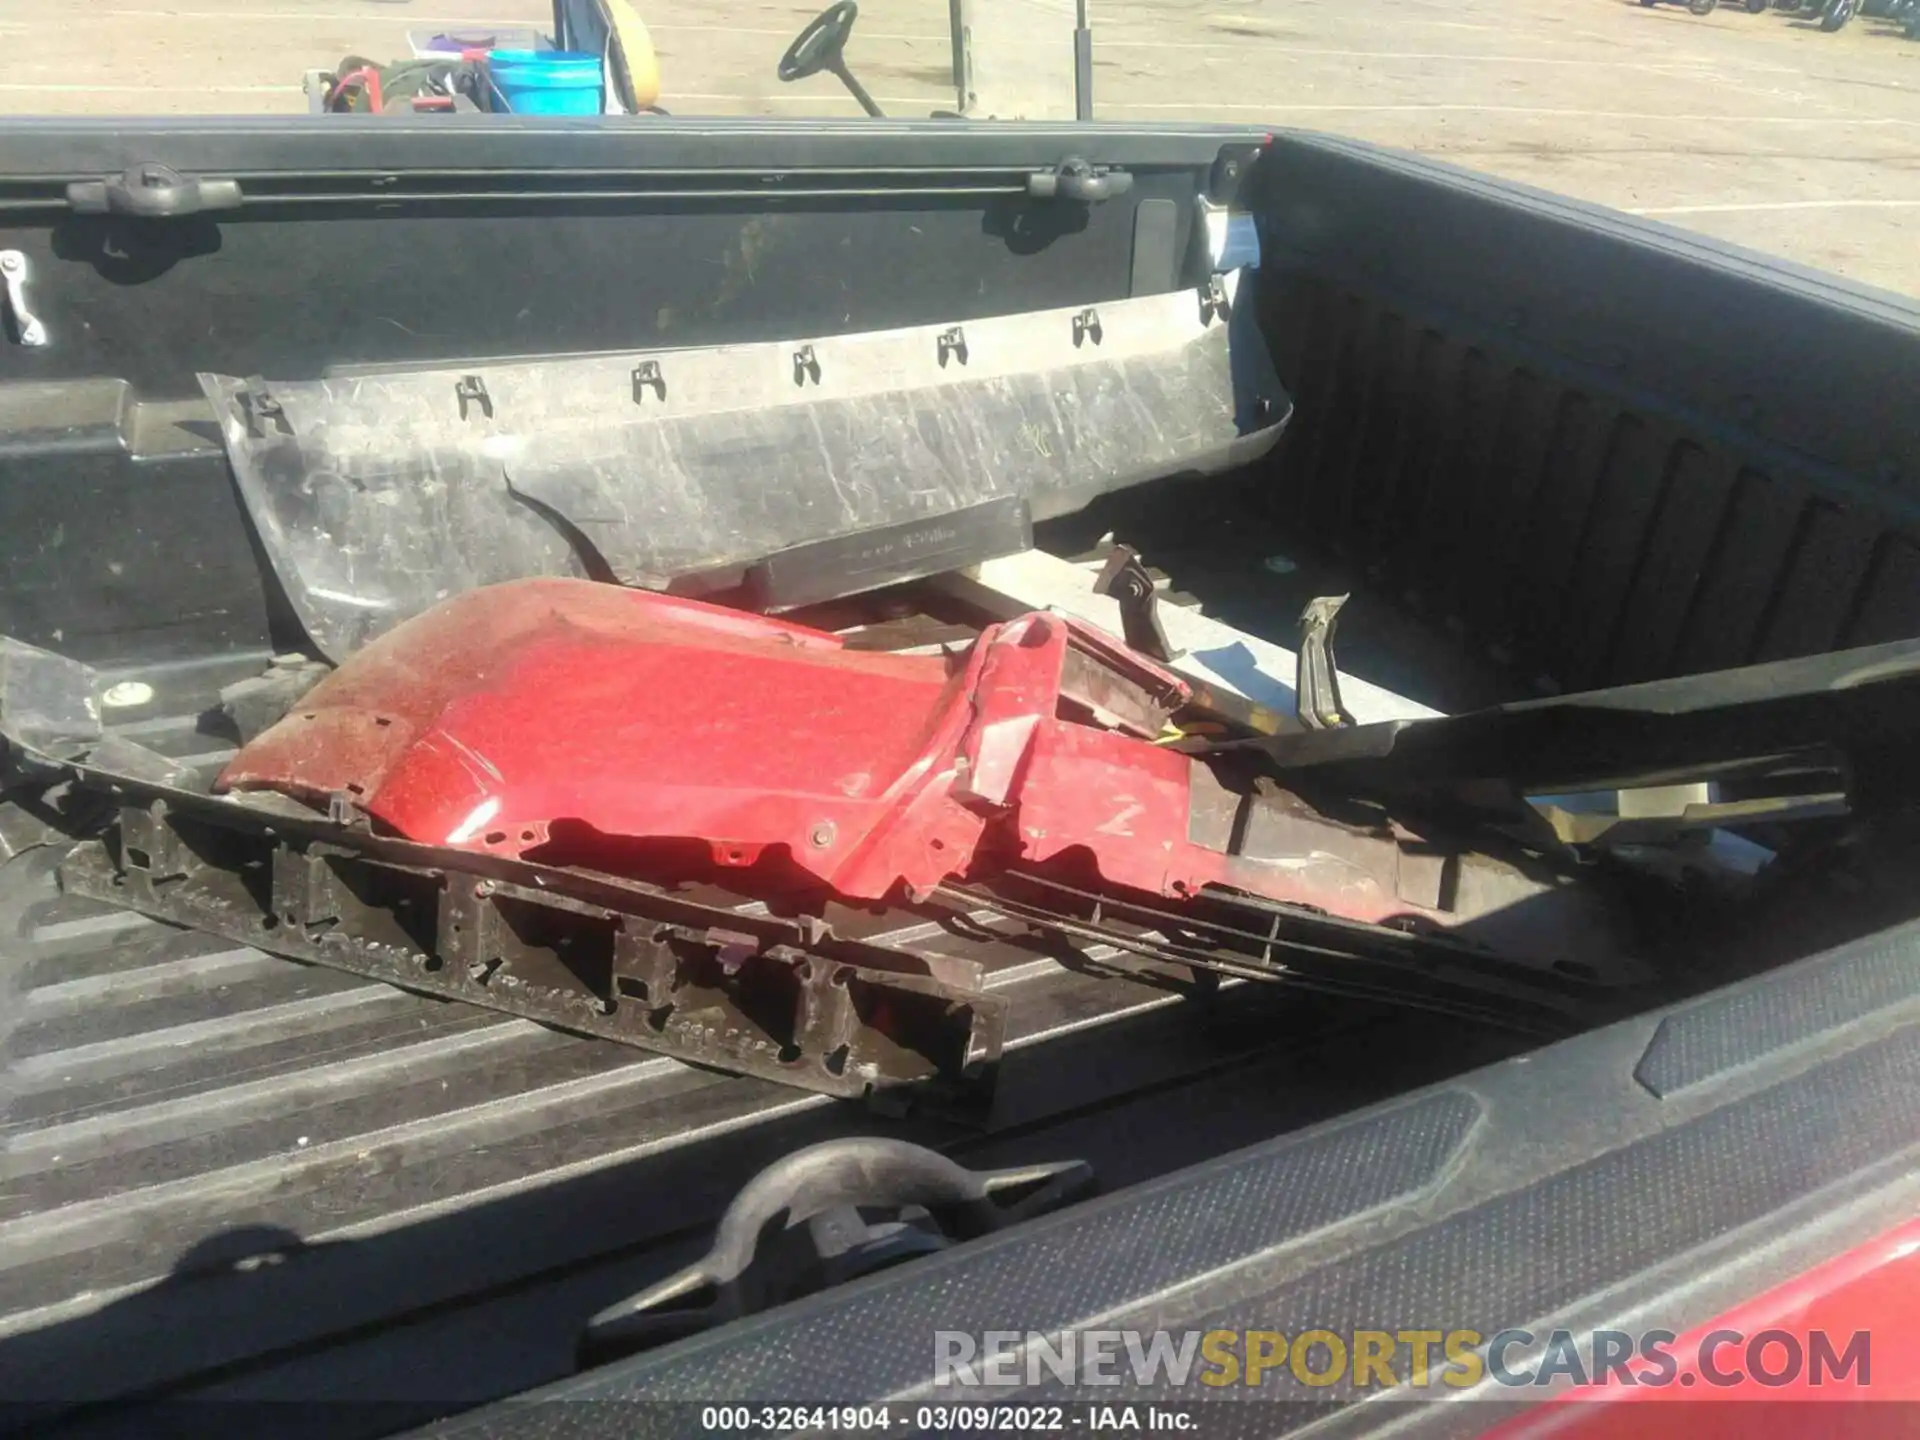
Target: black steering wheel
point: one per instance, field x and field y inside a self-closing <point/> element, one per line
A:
<point x="818" y="47"/>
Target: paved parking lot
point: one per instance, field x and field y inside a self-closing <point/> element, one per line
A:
<point x="1759" y="129"/>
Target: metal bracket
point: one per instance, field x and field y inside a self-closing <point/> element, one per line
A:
<point x="953" y="342"/>
<point x="472" y="390"/>
<point x="647" y="376"/>
<point x="1231" y="169"/>
<point x="1213" y="300"/>
<point x="15" y="271"/>
<point x="1086" y="326"/>
<point x="1126" y="579"/>
<point x="806" y="366"/>
<point x="263" y="410"/>
<point x="1316" y="683"/>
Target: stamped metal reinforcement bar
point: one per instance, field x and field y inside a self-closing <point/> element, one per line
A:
<point x="778" y="998"/>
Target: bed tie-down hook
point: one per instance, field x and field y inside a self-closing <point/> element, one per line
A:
<point x="151" y="191"/>
<point x="810" y="1221"/>
<point x="1077" y="179"/>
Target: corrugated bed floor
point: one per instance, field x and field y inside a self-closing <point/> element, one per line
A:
<point x="226" y="1173"/>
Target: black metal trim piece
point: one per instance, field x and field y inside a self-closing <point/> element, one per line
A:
<point x="1223" y="933"/>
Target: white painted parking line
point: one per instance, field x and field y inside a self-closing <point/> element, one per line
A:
<point x="1279" y="107"/>
<point x="1763" y="205"/>
<point x="785" y="33"/>
<point x="540" y="17"/>
<point x="13" y="89"/>
<point x="1671" y="66"/>
<point x="679" y="101"/>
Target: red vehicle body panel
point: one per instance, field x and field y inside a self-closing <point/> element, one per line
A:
<point x="1873" y="1288"/>
<point x="518" y="715"/>
<point x="485" y="722"/>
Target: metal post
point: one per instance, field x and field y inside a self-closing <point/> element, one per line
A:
<point x="1082" y="64"/>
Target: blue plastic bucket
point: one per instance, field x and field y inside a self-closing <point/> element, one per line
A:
<point x="548" y="82"/>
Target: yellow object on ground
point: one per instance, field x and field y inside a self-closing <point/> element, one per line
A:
<point x="632" y="64"/>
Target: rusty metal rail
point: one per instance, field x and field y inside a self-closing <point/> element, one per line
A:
<point x="784" y="999"/>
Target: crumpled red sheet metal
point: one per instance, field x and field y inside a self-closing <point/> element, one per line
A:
<point x="508" y="711"/>
<point x="482" y="723"/>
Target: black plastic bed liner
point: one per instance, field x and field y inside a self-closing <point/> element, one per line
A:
<point x="231" y="1177"/>
<point x="1776" y="1116"/>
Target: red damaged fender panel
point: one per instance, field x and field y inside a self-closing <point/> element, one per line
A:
<point x="576" y="713"/>
<point x="481" y="722"/>
<point x="485" y="722"/>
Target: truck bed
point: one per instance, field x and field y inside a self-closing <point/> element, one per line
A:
<point x="226" y="1164"/>
<point x="1547" y="446"/>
